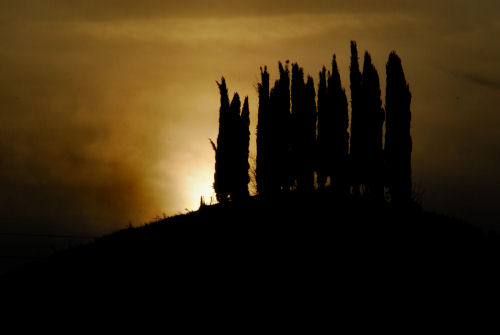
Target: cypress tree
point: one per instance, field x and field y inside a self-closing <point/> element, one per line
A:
<point x="356" y="121"/>
<point x="275" y="154"/>
<point x="231" y="152"/>
<point x="340" y="137"/>
<point x="324" y="159"/>
<point x="309" y="124"/>
<point x="234" y="144"/>
<point x="298" y="145"/>
<point x="333" y="137"/>
<point x="273" y="133"/>
<point x="398" y="142"/>
<point x="263" y="129"/>
<point x="303" y="129"/>
<point x="243" y="142"/>
<point x="283" y="129"/>
<point x="222" y="179"/>
<point x="373" y="114"/>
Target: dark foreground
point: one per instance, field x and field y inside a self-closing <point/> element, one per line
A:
<point x="291" y="250"/>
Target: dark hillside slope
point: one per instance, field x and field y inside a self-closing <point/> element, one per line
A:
<point x="297" y="244"/>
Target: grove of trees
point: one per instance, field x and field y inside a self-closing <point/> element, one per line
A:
<point x="303" y="138"/>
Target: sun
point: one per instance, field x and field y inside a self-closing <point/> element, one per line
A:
<point x="196" y="185"/>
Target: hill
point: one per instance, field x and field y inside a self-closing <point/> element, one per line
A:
<point x="299" y="244"/>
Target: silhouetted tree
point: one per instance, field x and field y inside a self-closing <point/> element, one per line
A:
<point x="356" y="121"/>
<point x="324" y="160"/>
<point x="305" y="134"/>
<point x="242" y="177"/>
<point x="398" y="142"/>
<point x="263" y="134"/>
<point x="339" y="149"/>
<point x="310" y="126"/>
<point x="283" y="129"/>
<point x="275" y="165"/>
<point x="222" y="177"/>
<point x="303" y="128"/>
<point x="298" y="105"/>
<point x="373" y="118"/>
<point x="231" y="152"/>
<point x="277" y="139"/>
<point x="235" y="146"/>
<point x="333" y="137"/>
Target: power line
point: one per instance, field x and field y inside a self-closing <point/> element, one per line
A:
<point x="38" y="235"/>
<point x="14" y="257"/>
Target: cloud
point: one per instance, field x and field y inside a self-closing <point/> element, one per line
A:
<point x="477" y="78"/>
<point x="98" y="10"/>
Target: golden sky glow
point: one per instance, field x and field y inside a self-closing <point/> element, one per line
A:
<point x="106" y="107"/>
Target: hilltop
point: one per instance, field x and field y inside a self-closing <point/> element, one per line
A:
<point x="279" y="246"/>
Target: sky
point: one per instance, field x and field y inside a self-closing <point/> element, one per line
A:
<point x="107" y="107"/>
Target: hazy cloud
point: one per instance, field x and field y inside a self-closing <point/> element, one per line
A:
<point x="479" y="79"/>
<point x="459" y="11"/>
